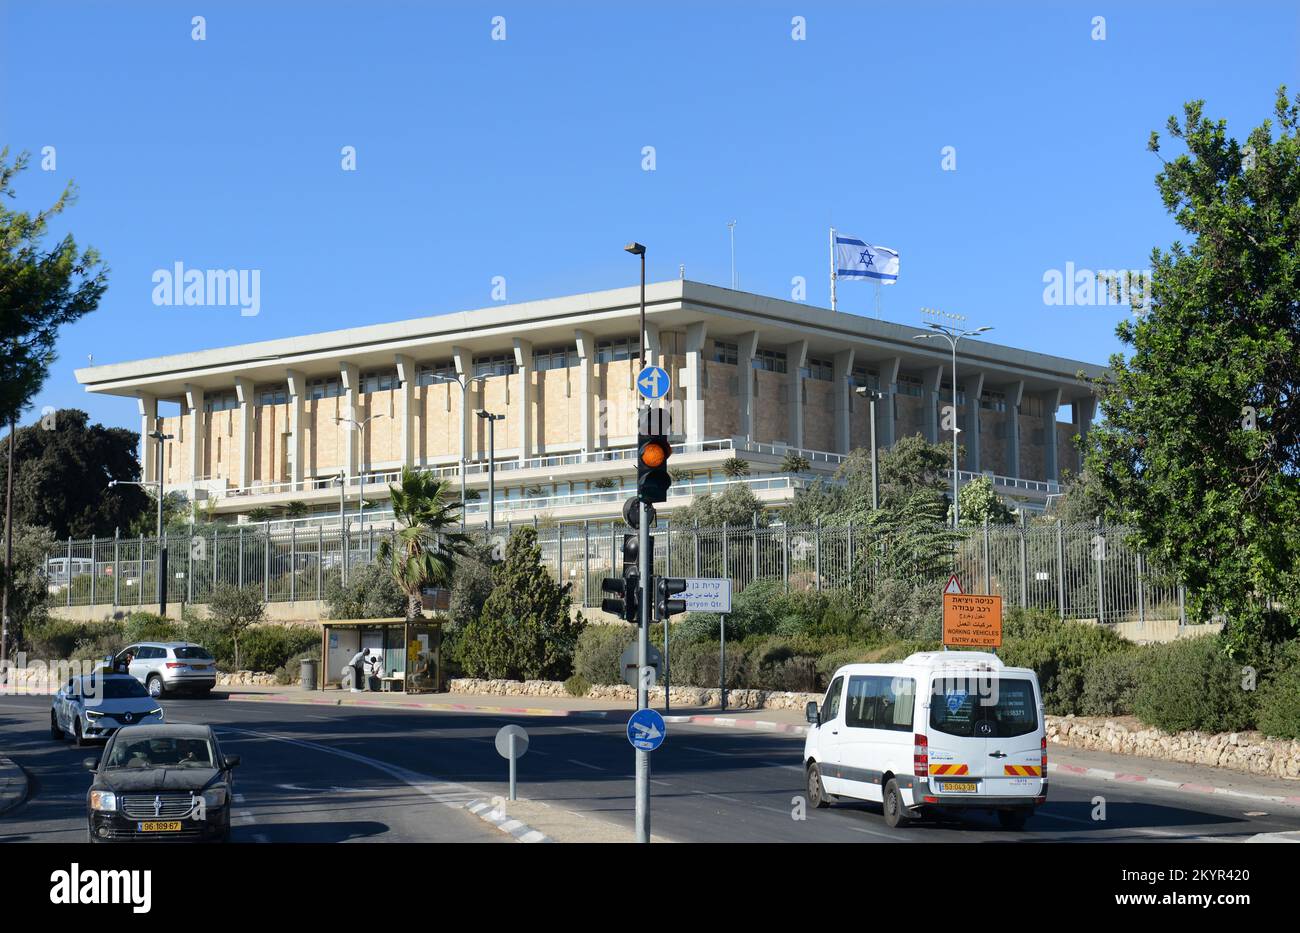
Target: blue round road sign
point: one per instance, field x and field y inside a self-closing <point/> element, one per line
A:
<point x="652" y="382"/>
<point x="646" y="730"/>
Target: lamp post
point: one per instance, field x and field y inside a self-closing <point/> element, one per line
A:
<point x="464" y="416"/>
<point x="361" y="465"/>
<point x="636" y="249"/>
<point x="491" y="420"/>
<point x="872" y="396"/>
<point x="160" y="437"/>
<point x="953" y="335"/>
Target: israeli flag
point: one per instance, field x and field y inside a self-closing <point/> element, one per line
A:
<point x="855" y="259"/>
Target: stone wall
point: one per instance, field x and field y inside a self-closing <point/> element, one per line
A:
<point x="682" y="696"/>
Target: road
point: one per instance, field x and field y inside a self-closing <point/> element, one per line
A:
<point x="313" y="774"/>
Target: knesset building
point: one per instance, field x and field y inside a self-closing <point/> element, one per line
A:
<point x="753" y="377"/>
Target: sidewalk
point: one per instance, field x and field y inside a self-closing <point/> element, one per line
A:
<point x="1063" y="760"/>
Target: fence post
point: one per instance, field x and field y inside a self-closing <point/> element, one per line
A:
<point x="817" y="555"/>
<point x="1024" y="564"/>
<point x="668" y="552"/>
<point x="320" y="565"/>
<point x="696" y="536"/>
<point x="753" y="535"/>
<point x="849" y="556"/>
<point x="726" y="562"/>
<point x="586" y="562"/>
<point x="239" y="579"/>
<point x="785" y="556"/>
<point x="1182" y="608"/>
<point x="189" y="568"/>
<point x="559" y="553"/>
<point x="988" y="576"/>
<point x="1060" y="569"/>
<point x="1101" y="576"/>
<point x="1142" y="609"/>
<point x="266" y="565"/>
<point x="293" y="563"/>
<point x="117" y="567"/>
<point x="370" y="545"/>
<point x="214" y="558"/>
<point x="94" y="569"/>
<point x="69" y="570"/>
<point x="139" y="596"/>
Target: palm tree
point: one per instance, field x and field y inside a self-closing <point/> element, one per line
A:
<point x="423" y="550"/>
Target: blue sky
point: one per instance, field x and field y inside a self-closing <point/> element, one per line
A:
<point x="523" y="158"/>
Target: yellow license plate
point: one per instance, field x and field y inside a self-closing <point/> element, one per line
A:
<point x="960" y="787"/>
<point x="161" y="826"/>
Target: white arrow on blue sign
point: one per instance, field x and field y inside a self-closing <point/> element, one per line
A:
<point x="652" y="382"/>
<point x="646" y="730"/>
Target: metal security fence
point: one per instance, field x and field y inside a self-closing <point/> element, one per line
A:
<point x="1079" y="571"/>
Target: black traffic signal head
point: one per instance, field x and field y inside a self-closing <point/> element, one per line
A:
<point x="627" y="601"/>
<point x="665" y="589"/>
<point x="652" y="479"/>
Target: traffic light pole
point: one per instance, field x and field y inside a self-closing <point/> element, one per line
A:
<point x="642" y="690"/>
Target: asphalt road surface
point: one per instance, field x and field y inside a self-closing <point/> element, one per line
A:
<point x="335" y="774"/>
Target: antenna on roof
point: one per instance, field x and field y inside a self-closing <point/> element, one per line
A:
<point x="681" y="271"/>
<point x="735" y="282"/>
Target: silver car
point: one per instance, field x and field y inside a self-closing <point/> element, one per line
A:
<point x="168" y="666"/>
<point x="94" y="706"/>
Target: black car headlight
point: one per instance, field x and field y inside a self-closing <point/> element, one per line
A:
<point x="216" y="797"/>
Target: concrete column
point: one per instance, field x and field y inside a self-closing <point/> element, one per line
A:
<point x="796" y="355"/>
<point x="843" y="376"/>
<point x="692" y="378"/>
<point x="586" y="388"/>
<point x="524" y="370"/>
<point x="746" y="347"/>
<point x="464" y="361"/>
<point x="1014" y="393"/>
<point x="885" y="421"/>
<point x="351" y="409"/>
<point x="196" y="416"/>
<point x="1084" y="410"/>
<point x="654" y="351"/>
<point x="297" y="394"/>
<point x="406" y="429"/>
<point x="247" y="418"/>
<point x="1051" y="465"/>
<point x="974" y="389"/>
<point x="932" y="379"/>
<point x="148" y="405"/>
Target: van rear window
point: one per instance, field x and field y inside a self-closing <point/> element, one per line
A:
<point x="983" y="707"/>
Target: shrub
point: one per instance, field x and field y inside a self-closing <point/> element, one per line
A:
<point x="149" y="626"/>
<point x="59" y="639"/>
<point x="1110" y="683"/>
<point x="209" y="633"/>
<point x="1279" y="695"/>
<point x="371" y="593"/>
<point x="270" y="647"/>
<point x="1061" y="653"/>
<point x="1193" y="684"/>
<point x="596" y="658"/>
<point x="577" y="686"/>
<point x="235" y="609"/>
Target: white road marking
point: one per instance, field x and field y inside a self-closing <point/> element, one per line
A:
<point x="662" y="783"/>
<point x="581" y="729"/>
<point x="724" y="797"/>
<point x="574" y="761"/>
<point x="705" y="751"/>
<point x="782" y="764"/>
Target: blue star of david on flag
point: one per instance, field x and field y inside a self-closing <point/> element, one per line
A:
<point x="856" y="259"/>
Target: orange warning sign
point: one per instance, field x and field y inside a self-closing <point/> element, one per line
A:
<point x="971" y="621"/>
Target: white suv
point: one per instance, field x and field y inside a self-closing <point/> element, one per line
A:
<point x="168" y="666"/>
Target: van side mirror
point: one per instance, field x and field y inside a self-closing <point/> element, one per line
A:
<point x="90" y="764"/>
<point x="813" y="713"/>
<point x="232" y="762"/>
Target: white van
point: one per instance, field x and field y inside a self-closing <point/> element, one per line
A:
<point x="941" y="730"/>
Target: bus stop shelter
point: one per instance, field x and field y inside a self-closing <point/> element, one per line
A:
<point x="411" y="652"/>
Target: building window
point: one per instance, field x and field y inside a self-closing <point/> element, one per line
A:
<point x="772" y="361"/>
<point x="865" y="378"/>
<point x="608" y="351"/>
<point x="428" y="375"/>
<point x="909" y="385"/>
<point x="724" y="352"/>
<point x="324" y="387"/>
<point x="555" y="359"/>
<point x="271" y="395"/>
<point x="993" y="401"/>
<point x="379" y="381"/>
<point x="1032" y="405"/>
<point x="222" y="401"/>
<point x="499" y="364"/>
<point x="945" y="393"/>
<point x="818" y="369"/>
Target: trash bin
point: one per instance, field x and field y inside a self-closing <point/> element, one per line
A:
<point x="308" y="674"/>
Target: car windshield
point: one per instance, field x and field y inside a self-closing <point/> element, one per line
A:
<point x="193" y="653"/>
<point x="983" y="707"/>
<point x="159" y="752"/>
<point x="115" y="688"/>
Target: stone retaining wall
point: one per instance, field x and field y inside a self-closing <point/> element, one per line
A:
<point x="45" y="680"/>
<point x="680" y="696"/>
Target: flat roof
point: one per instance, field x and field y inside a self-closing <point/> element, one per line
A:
<point x="670" y="305"/>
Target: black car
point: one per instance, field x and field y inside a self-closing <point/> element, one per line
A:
<point x="161" y="783"/>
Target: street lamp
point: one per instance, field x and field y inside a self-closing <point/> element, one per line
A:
<point x="874" y="396"/>
<point x="636" y="249"/>
<point x="464" y="413"/>
<point x="160" y="437"/>
<point x="361" y="466"/>
<point x="492" y="420"/>
<point x="953" y="335"/>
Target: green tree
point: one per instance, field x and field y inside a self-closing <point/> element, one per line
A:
<point x="735" y="505"/>
<point x="235" y="610"/>
<point x="176" y="513"/>
<point x="371" y="593"/>
<point x="1082" y="499"/>
<point x="735" y="467"/>
<point x="62" y="468"/>
<point x="979" y="502"/>
<point x="913" y="466"/>
<point x="424" y="549"/>
<point x="28" y="584"/>
<point x="1200" y="447"/>
<point x="41" y="289"/>
<point x="526" y="630"/>
<point x="795" y="463"/>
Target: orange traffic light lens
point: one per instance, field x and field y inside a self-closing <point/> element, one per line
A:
<point x="653" y="455"/>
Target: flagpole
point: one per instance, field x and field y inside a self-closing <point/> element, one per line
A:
<point x="832" y="268"/>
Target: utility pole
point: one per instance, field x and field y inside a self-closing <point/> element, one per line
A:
<point x="9" y="548"/>
<point x="491" y="420"/>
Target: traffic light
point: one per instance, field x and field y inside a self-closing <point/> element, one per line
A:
<point x="652" y="453"/>
<point x="665" y="589"/>
<point x="628" y="586"/>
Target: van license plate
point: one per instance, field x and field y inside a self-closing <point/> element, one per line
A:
<point x="959" y="787"/>
<point x="161" y="826"/>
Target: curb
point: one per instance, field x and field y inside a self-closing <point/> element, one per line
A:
<point x="1120" y="777"/>
<point x="522" y="832"/>
<point x="728" y="722"/>
<point x="453" y="707"/>
<point x="13" y="785"/>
